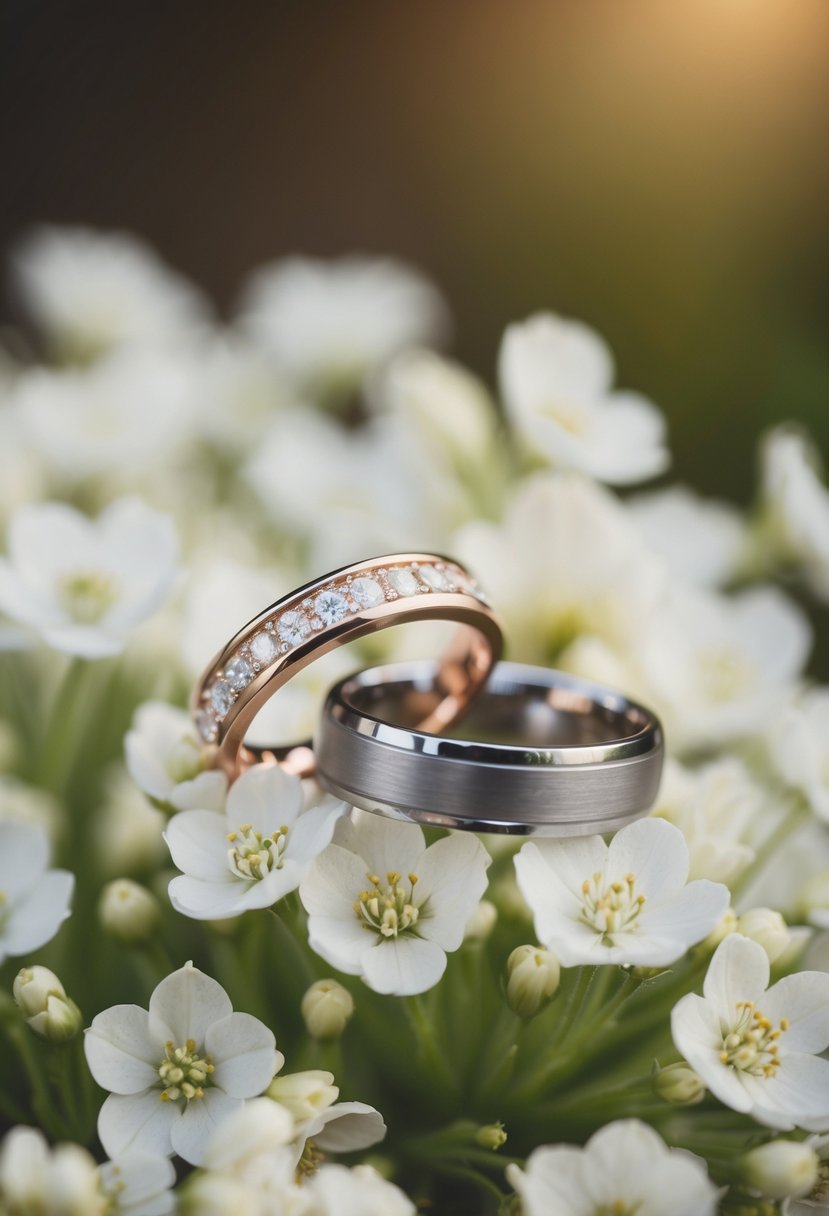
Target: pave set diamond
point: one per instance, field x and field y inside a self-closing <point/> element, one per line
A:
<point x="301" y="618"/>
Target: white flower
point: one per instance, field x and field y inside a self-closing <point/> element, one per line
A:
<point x="335" y="1127"/>
<point x="326" y="1008"/>
<point x="449" y="406"/>
<point x="34" y="1178"/>
<point x="796" y="505"/>
<point x="383" y="906"/>
<point x="83" y="585"/>
<point x="701" y="540"/>
<point x="720" y="810"/>
<point x="254" y="1147"/>
<point x="799" y="747"/>
<point x="254" y="853"/>
<point x="34" y="900"/>
<point x="328" y="323"/>
<point x="624" y="1167"/>
<point x="138" y="1184"/>
<point x="168" y="761"/>
<point x="373" y="490"/>
<point x="781" y="1169"/>
<point x="757" y="1048"/>
<point x="337" y="1191"/>
<point x="626" y="902"/>
<point x="89" y="291"/>
<point x="767" y="927"/>
<point x="176" y="1071"/>
<point x="117" y="420"/>
<point x="566" y="560"/>
<point x="718" y="668"/>
<point x="556" y="378"/>
<point x="818" y="1200"/>
<point x="128" y="912"/>
<point x="42" y="1000"/>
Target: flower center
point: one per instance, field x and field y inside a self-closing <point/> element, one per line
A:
<point x="610" y="907"/>
<point x="253" y="855"/>
<point x="724" y="674"/>
<point x="751" y="1044"/>
<point x="183" y="1072"/>
<point x="87" y="595"/>
<point x="570" y="418"/>
<point x="388" y="908"/>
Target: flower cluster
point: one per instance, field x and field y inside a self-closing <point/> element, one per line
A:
<point x="556" y="1027"/>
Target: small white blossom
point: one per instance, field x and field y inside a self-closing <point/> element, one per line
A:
<point x="702" y="541"/>
<point x="556" y="378"/>
<point x="35" y="1178"/>
<point x="767" y="927"/>
<point x="625" y="1167"/>
<point x="128" y="912"/>
<point x="533" y="977"/>
<point x="34" y="900"/>
<point x="799" y="747"/>
<point x="90" y="291"/>
<point x="116" y="421"/>
<point x="592" y="574"/>
<point x="781" y="1169"/>
<point x="327" y="1008"/>
<point x="721" y="811"/>
<point x="757" y="1048"/>
<point x="28" y="804"/>
<point x="796" y="505"/>
<point x="254" y="853"/>
<point x="328" y="323"/>
<point x="176" y="1071"/>
<point x="718" y="668"/>
<point x="337" y="1191"/>
<point x="168" y="761"/>
<point x="626" y="902"/>
<point x="383" y="906"/>
<point x="84" y="584"/>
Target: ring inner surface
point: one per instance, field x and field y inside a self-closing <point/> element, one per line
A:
<point x="512" y="715"/>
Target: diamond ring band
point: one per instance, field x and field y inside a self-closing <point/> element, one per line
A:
<point x="329" y="612"/>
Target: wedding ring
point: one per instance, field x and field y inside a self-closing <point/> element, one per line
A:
<point x="539" y="752"/>
<point x="329" y="612"/>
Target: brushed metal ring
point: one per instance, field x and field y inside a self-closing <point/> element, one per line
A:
<point x="329" y="612"/>
<point x="539" y="752"/>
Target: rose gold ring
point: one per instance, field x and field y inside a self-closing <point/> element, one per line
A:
<point x="329" y="612"/>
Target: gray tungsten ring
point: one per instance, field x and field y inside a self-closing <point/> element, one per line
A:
<point x="540" y="752"/>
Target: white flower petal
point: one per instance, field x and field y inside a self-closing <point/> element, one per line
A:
<point x="403" y="966"/>
<point x="572" y="860"/>
<point x="688" y="916"/>
<point x="206" y="792"/>
<point x="738" y="971"/>
<point x="384" y="844"/>
<point x="697" y="1033"/>
<point x="137" y="1121"/>
<point x="208" y="900"/>
<point x="554" y="1181"/>
<point x="192" y="1131"/>
<point x="313" y="830"/>
<point x="122" y="1054"/>
<point x="803" y="999"/>
<point x="24" y="855"/>
<point x="333" y="882"/>
<point x="346" y="1127"/>
<point x="655" y="852"/>
<point x="35" y="918"/>
<point x="798" y="1090"/>
<point x="341" y="942"/>
<point x="244" y="1053"/>
<point x="449" y="900"/>
<point x="198" y="844"/>
<point x="188" y="1002"/>
<point x="143" y="1182"/>
<point x="266" y="797"/>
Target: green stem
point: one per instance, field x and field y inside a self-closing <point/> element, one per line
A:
<point x="427" y="1041"/>
<point x="43" y="1103"/>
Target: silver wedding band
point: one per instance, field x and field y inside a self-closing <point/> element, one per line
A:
<point x="539" y="752"/>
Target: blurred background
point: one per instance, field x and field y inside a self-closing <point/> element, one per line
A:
<point x="658" y="169"/>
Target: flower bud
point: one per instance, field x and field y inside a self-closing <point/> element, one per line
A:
<point x="679" y="1084"/>
<point x="44" y="1004"/>
<point x="767" y="928"/>
<point x="726" y="925"/>
<point x="481" y="922"/>
<point x="533" y="979"/>
<point x="304" y="1094"/>
<point x="128" y="912"/>
<point x="782" y="1169"/>
<point x="326" y="1008"/>
<point x="492" y="1135"/>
